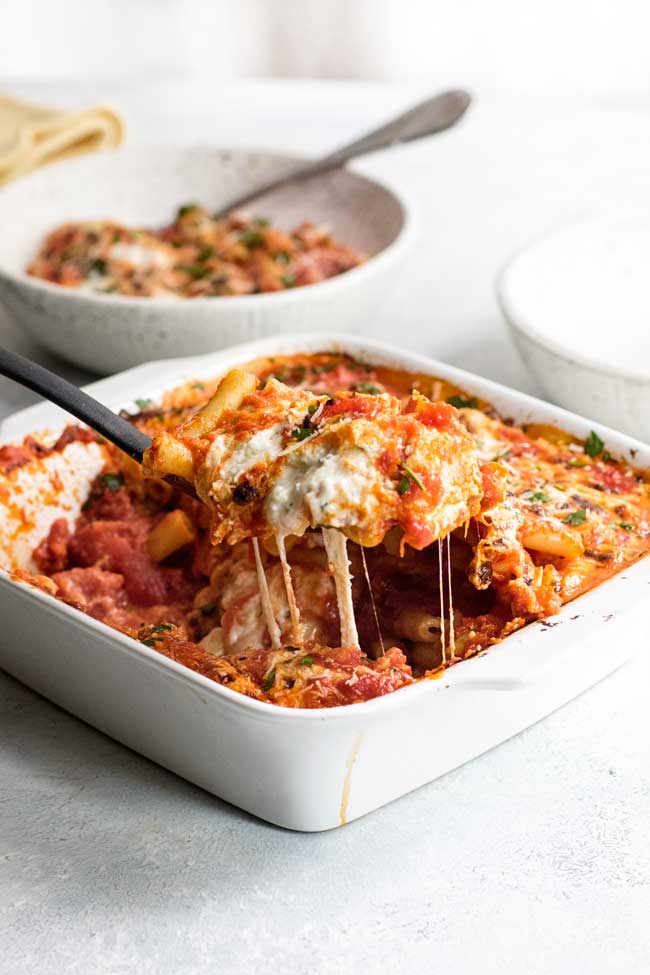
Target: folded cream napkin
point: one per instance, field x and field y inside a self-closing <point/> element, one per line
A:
<point x="31" y="136"/>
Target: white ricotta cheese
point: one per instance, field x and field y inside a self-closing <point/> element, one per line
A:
<point x="262" y="448"/>
<point x="139" y="255"/>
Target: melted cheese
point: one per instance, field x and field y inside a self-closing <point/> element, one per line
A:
<point x="288" y="585"/>
<point x="261" y="448"/>
<point x="372" y="599"/>
<point x="318" y="487"/>
<point x="336" y="548"/>
<point x="140" y="256"/>
<point x="267" y="608"/>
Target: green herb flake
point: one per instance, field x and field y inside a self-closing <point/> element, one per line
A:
<point x="301" y="433"/>
<point x="251" y="238"/>
<point x="262" y="222"/>
<point x="269" y="680"/>
<point x="282" y="257"/>
<point x="413" y="476"/>
<point x="143" y="403"/>
<point x="403" y="485"/>
<point x="161" y="628"/>
<point x="576" y="463"/>
<point x="463" y="403"/>
<point x="99" y="266"/>
<point x="207" y="609"/>
<point x="185" y="209"/>
<point x="593" y="445"/>
<point x="198" y="386"/>
<point x="312" y="408"/>
<point x="307" y="661"/>
<point x="289" y="280"/>
<point x="540" y="495"/>
<point x="368" y="388"/>
<point x="326" y="366"/>
<point x="627" y="525"/>
<point x="150" y="642"/>
<point x="576" y="517"/>
<point x="205" y="253"/>
<point x="195" y="271"/>
<point x="113" y="482"/>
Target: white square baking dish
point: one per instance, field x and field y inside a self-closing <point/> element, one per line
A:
<point x="301" y="769"/>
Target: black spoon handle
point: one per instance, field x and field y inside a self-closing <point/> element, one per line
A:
<point x="72" y="399"/>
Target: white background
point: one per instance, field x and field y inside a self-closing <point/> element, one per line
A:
<point x="525" y="46"/>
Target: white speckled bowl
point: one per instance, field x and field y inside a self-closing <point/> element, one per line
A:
<point x="144" y="186"/>
<point x="577" y="301"/>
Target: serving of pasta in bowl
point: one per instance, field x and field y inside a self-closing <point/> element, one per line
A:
<point x="340" y="571"/>
<point x="126" y="257"/>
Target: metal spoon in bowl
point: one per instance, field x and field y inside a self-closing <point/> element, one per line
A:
<point x="429" y="117"/>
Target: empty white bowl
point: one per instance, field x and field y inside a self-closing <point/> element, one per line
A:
<point x="578" y="305"/>
<point x="143" y="186"/>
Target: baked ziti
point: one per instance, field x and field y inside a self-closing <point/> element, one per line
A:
<point x="358" y="528"/>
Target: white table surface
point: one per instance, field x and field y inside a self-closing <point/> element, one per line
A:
<point x="534" y="858"/>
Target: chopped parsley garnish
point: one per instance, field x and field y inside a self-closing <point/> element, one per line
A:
<point x="205" y="253"/>
<point x="593" y="445"/>
<point x="282" y="257"/>
<point x="627" y="525"/>
<point x="576" y="517"/>
<point x="312" y="408"/>
<point x="207" y="609"/>
<point x="540" y="495"/>
<point x="185" y="209"/>
<point x="269" y="680"/>
<point x="368" y="388"/>
<point x="462" y="402"/>
<point x="143" y="403"/>
<point x="307" y="660"/>
<point x="410" y="476"/>
<point x="99" y="266"/>
<point x="195" y="271"/>
<point x="326" y="366"/>
<point x="112" y="481"/>
<point x="198" y="386"/>
<point x="301" y="433"/>
<point x="251" y="238"/>
<point x="262" y="222"/>
<point x="151" y="642"/>
<point x="161" y="627"/>
<point x="289" y="280"/>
